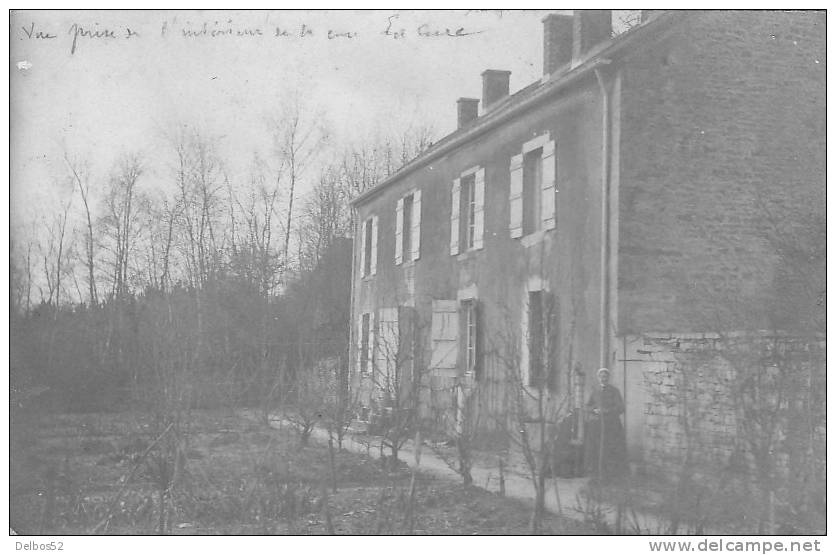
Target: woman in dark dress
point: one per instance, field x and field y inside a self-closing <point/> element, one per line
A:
<point x="605" y="452"/>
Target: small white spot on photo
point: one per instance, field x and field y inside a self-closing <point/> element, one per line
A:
<point x="24" y="65"/>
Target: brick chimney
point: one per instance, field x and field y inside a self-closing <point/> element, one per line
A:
<point x="495" y="86"/>
<point x="591" y="27"/>
<point x="468" y="110"/>
<point x="557" y="42"/>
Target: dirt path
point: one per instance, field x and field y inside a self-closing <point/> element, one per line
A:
<point x="565" y="499"/>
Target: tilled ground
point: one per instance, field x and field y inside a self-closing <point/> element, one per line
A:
<point x="68" y="475"/>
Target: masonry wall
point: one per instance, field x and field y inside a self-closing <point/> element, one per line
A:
<point x="705" y="397"/>
<point x="567" y="258"/>
<point x="722" y="129"/>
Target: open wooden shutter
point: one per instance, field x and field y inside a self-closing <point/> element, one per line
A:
<point x="445" y="330"/>
<point x="416" y="225"/>
<point x="548" y="191"/>
<point x="454" y="217"/>
<point x="373" y="254"/>
<point x="515" y="197"/>
<point x="479" y="212"/>
<point x="399" y="231"/>
<point x="363" y="253"/>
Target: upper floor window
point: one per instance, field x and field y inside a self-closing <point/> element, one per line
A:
<point x="532" y="186"/>
<point x="467" y="212"/>
<point x="532" y="190"/>
<point x="368" y="247"/>
<point x="408" y="228"/>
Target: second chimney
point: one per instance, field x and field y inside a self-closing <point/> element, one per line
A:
<point x="468" y="110"/>
<point x="495" y="86"/>
<point x="591" y="27"/>
<point x="557" y="42"/>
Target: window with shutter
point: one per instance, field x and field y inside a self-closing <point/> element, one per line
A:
<point x="373" y="248"/>
<point x="467" y="222"/>
<point x="536" y="339"/>
<point x="365" y="247"/>
<point x="445" y="329"/>
<point x="454" y="217"/>
<point x="416" y="225"/>
<point x="479" y="210"/>
<point x="469" y="335"/>
<point x="543" y="340"/>
<point x="468" y="209"/>
<point x="533" y="188"/>
<point x="388" y="348"/>
<point x="399" y="230"/>
<point x="549" y="186"/>
<point x="363" y="345"/>
<point x="515" y="197"/>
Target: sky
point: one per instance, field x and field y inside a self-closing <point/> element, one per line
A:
<point x="98" y="84"/>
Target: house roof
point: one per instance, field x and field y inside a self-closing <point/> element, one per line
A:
<point x="524" y="99"/>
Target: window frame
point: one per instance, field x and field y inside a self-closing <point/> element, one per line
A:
<point x="532" y="198"/>
<point x="471" y="336"/>
<point x="368" y="239"/>
<point x="406" y="227"/>
<point x="467" y="212"/>
<point x="365" y="343"/>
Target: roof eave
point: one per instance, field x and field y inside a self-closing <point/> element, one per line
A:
<point x="495" y="118"/>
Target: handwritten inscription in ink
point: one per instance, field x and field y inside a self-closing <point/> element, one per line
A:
<point x="87" y="34"/>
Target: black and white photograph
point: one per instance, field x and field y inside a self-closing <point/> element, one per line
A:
<point x="418" y="272"/>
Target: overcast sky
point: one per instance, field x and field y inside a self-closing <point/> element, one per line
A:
<point x="103" y="96"/>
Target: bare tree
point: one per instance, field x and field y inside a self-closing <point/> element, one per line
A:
<point x="533" y="405"/>
<point x="297" y="139"/>
<point x="81" y="178"/>
<point x="120" y="220"/>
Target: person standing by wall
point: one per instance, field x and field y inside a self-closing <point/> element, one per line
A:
<point x="605" y="452"/>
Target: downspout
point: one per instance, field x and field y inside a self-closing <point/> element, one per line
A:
<point x="604" y="358"/>
<point x="351" y="319"/>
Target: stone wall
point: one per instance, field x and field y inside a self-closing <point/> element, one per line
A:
<point x="722" y="144"/>
<point x="707" y="396"/>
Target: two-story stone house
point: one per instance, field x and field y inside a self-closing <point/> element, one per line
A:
<point x="613" y="200"/>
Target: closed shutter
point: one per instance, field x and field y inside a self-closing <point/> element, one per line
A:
<point x="479" y="212"/>
<point x="515" y="197"/>
<point x="399" y="231"/>
<point x="552" y="312"/>
<point x="373" y="252"/>
<point x="454" y="217"/>
<point x="445" y="330"/>
<point x="549" y="187"/>
<point x="416" y="225"/>
<point x="363" y="254"/>
<point x="387" y="347"/>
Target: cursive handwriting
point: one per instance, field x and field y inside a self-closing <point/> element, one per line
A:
<point x="32" y="34"/>
<point x="81" y="33"/>
<point x="425" y="30"/>
<point x="77" y="31"/>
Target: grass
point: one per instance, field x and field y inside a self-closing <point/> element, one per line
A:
<point x="237" y="477"/>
